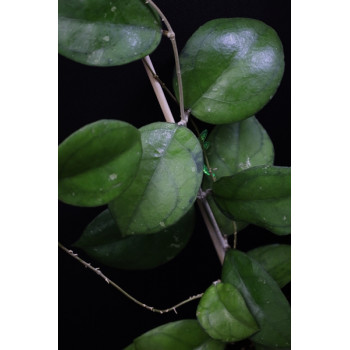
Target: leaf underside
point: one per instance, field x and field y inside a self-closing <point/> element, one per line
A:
<point x="103" y="241"/>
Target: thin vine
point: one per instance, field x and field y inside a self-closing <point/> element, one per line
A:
<point x="121" y="290"/>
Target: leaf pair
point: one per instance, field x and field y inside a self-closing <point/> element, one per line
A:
<point x="150" y="179"/>
<point x="249" y="303"/>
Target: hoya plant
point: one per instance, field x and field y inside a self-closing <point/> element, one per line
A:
<point x="175" y="203"/>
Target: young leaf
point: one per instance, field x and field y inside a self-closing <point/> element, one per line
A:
<point x="103" y="241"/>
<point x="236" y="147"/>
<point x="179" y="335"/>
<point x="106" y="32"/>
<point x="275" y="259"/>
<point x="223" y="313"/>
<point x="258" y="195"/>
<point x="167" y="181"/>
<point x="98" y="162"/>
<point x="263" y="297"/>
<point x="231" y="68"/>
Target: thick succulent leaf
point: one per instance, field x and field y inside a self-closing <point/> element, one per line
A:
<point x="258" y="195"/>
<point x="231" y="67"/>
<point x="98" y="162"/>
<point x="223" y="313"/>
<point x="167" y="181"/>
<point x="235" y="147"/>
<point x="106" y="32"/>
<point x="263" y="297"/>
<point x="275" y="259"/>
<point x="103" y="241"/>
<point x="179" y="335"/>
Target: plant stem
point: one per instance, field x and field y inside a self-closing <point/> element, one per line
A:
<point x="171" y="35"/>
<point x="99" y="272"/>
<point x="220" y="243"/>
<point x="158" y="90"/>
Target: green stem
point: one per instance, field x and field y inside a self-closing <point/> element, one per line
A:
<point x="121" y="290"/>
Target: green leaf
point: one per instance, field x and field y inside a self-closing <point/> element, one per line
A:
<point x="275" y="259"/>
<point x="236" y="147"/>
<point x="179" y="335"/>
<point x="231" y="68"/>
<point x="258" y="195"/>
<point x="106" y="32"/>
<point x="263" y="297"/>
<point x="98" y="162"/>
<point x="223" y="313"/>
<point x="166" y="184"/>
<point x="103" y="241"/>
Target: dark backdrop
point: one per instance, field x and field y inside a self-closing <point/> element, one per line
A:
<point x="93" y="315"/>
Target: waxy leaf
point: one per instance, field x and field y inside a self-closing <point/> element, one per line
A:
<point x="98" y="162"/>
<point x="263" y="297"/>
<point x="231" y="68"/>
<point x="103" y="241"/>
<point x="275" y="259"/>
<point x="223" y="313"/>
<point x="106" y="32"/>
<point x="236" y="147"/>
<point x="179" y="335"/>
<point x="258" y="195"/>
<point x="167" y="181"/>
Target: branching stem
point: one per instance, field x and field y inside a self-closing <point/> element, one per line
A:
<point x="99" y="272"/>
<point x="171" y="35"/>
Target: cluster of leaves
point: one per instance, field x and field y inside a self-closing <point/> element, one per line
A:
<point x="149" y="177"/>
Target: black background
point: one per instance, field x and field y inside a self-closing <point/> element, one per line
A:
<point x="92" y="314"/>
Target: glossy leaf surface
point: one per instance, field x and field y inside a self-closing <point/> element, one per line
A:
<point x="103" y="241"/>
<point x="98" y="162"/>
<point x="231" y="67"/>
<point x="235" y="147"/>
<point x="166" y="184"/>
<point x="258" y="195"/>
<point x="106" y="33"/>
<point x="224" y="315"/>
<point x="263" y="297"/>
<point x="179" y="335"/>
<point x="276" y="260"/>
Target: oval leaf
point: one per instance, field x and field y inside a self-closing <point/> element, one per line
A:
<point x="259" y="195"/>
<point x="263" y="296"/>
<point x="275" y="259"/>
<point x="235" y="147"/>
<point x="106" y="33"/>
<point x="103" y="241"/>
<point x="223" y="313"/>
<point x="167" y="181"/>
<point x="179" y="335"/>
<point x="231" y="68"/>
<point x="98" y="162"/>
